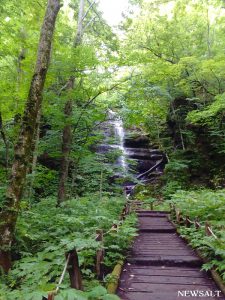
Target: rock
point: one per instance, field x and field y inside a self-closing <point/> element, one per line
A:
<point x="141" y="141"/>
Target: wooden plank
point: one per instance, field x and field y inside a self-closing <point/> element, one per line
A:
<point x="171" y="261"/>
<point x="162" y="252"/>
<point x="158" y="230"/>
<point x="151" y="220"/>
<point x="161" y="272"/>
<point x="163" y="279"/>
<point x="149" y="246"/>
<point x="133" y="266"/>
<point x="156" y="287"/>
<point x="161" y="258"/>
<point x="160" y="243"/>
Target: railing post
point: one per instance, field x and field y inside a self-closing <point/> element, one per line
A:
<point x="124" y="212"/>
<point x="152" y="206"/>
<point x="172" y="211"/>
<point x="197" y="225"/>
<point x="51" y="296"/>
<point x="187" y="222"/>
<point x="115" y="227"/>
<point x="99" y="254"/>
<point x="74" y="270"/>
<point x="128" y="208"/>
<point x="207" y="231"/>
<point x="178" y="216"/>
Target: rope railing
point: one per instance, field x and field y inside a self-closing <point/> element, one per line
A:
<point x="72" y="261"/>
<point x="188" y="222"/>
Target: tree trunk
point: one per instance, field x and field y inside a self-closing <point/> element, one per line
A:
<point x="68" y="110"/>
<point x="79" y="34"/>
<point x="23" y="148"/>
<point x="3" y="135"/>
<point x="66" y="147"/>
<point x="33" y="160"/>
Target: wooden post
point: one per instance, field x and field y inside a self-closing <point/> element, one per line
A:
<point x="123" y="214"/>
<point x="113" y="283"/>
<point x="51" y="296"/>
<point x="152" y="206"/>
<point x="187" y="222"/>
<point x="74" y="271"/>
<point x="129" y="208"/>
<point x="115" y="226"/>
<point x="197" y="225"/>
<point x="172" y="211"/>
<point x="178" y="216"/>
<point x="99" y="254"/>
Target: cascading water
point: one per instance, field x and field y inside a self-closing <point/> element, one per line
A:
<point x="136" y="161"/>
<point x="117" y="124"/>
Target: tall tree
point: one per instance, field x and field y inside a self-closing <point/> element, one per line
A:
<point x="23" y="148"/>
<point x="68" y="110"/>
<point x="88" y="18"/>
<point x="80" y="29"/>
<point x="3" y="135"/>
<point x="66" y="145"/>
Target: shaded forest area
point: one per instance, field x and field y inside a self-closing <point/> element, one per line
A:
<point x="64" y="73"/>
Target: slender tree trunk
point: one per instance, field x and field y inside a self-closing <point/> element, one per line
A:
<point x="67" y="135"/>
<point x="3" y="135"/>
<point x="66" y="147"/>
<point x="79" y="34"/>
<point x="21" y="57"/>
<point x="181" y="136"/>
<point x="208" y="30"/>
<point x="23" y="148"/>
<point x="33" y="159"/>
<point x="101" y="185"/>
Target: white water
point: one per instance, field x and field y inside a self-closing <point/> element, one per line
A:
<point x="119" y="135"/>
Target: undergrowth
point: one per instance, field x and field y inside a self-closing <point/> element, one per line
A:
<point x="45" y="233"/>
<point x="205" y="205"/>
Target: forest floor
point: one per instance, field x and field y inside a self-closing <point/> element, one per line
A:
<point x="161" y="265"/>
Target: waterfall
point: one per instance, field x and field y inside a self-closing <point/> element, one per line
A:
<point x="117" y="124"/>
<point x="138" y="160"/>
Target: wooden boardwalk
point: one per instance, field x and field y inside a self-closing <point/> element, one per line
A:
<point x="161" y="266"/>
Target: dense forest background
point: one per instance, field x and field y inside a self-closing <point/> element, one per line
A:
<point x="162" y="71"/>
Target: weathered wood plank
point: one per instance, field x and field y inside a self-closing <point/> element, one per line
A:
<point x="167" y="279"/>
<point x="160" y="264"/>
<point x="173" y="272"/>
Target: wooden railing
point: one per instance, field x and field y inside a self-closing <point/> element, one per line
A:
<point x="72" y="260"/>
<point x="181" y="220"/>
<point x="185" y="220"/>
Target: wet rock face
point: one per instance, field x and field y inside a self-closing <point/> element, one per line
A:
<point x="141" y="141"/>
<point x="139" y="149"/>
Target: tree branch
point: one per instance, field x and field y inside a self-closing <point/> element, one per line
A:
<point x="159" y="55"/>
<point x="89" y="8"/>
